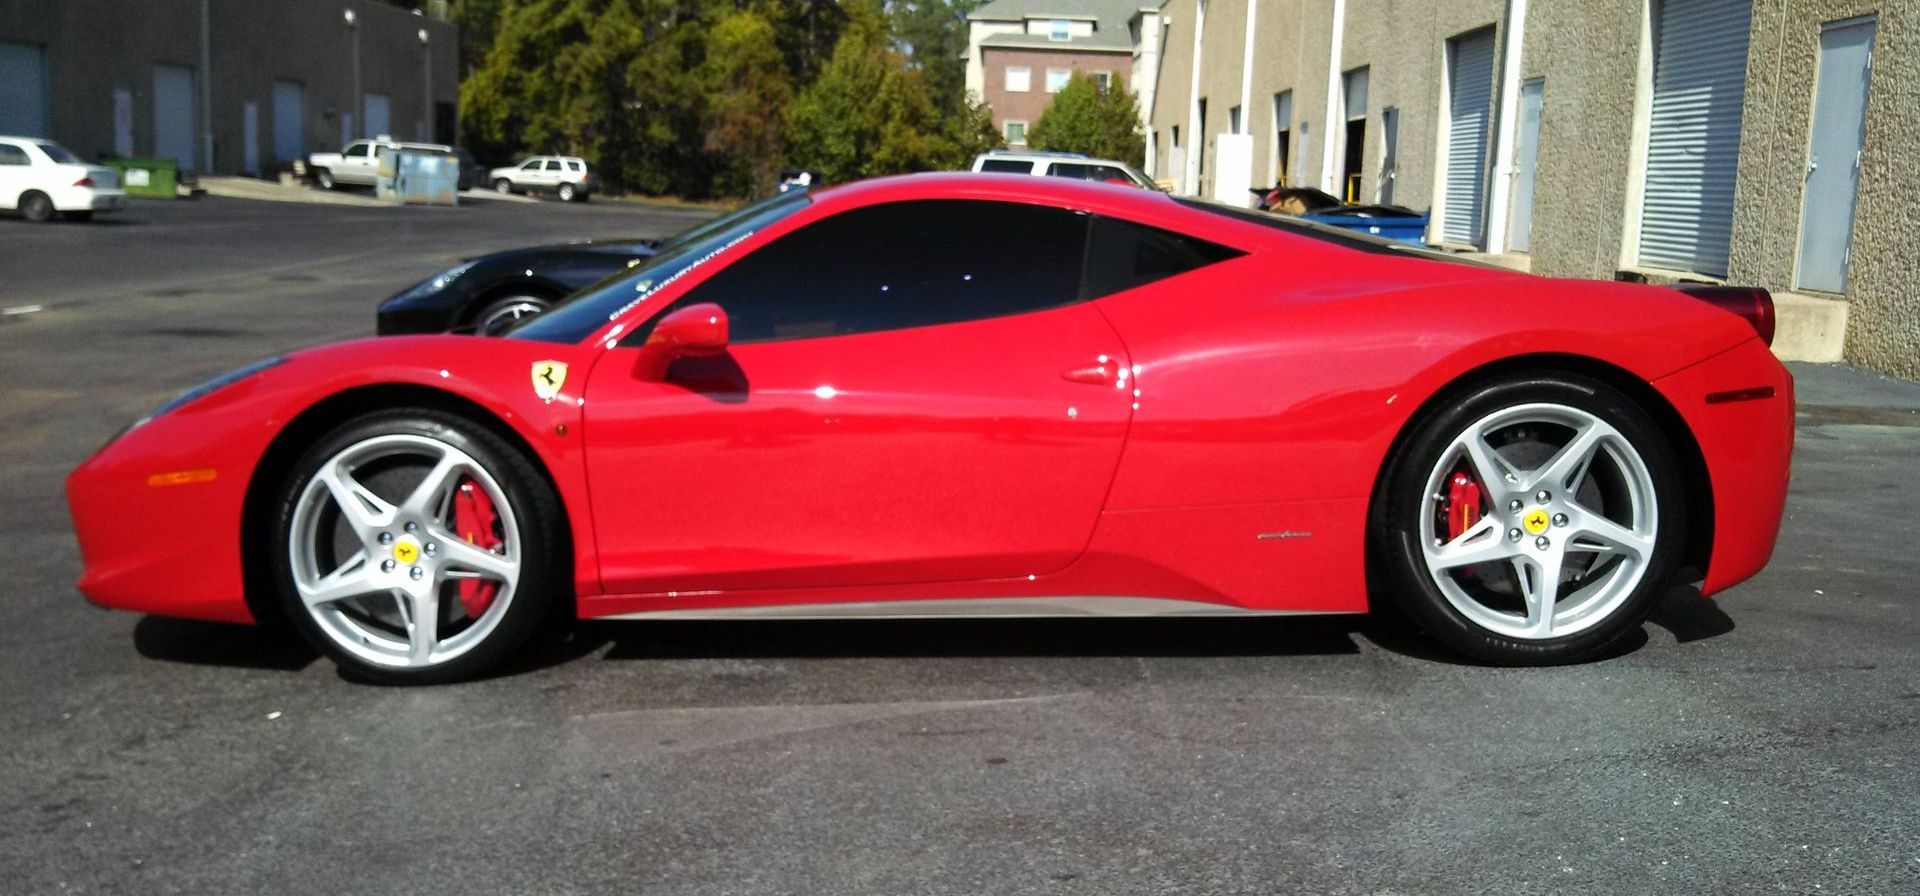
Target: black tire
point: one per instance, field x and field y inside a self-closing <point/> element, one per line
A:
<point x="323" y="179"/>
<point x="1402" y="499"/>
<point x="507" y="311"/>
<point x="502" y="185"/>
<point x="82" y="216"/>
<point x="36" y="207"/>
<point x="539" y="590"/>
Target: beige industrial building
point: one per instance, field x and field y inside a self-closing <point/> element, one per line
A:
<point x="224" y="86"/>
<point x="1763" y="142"/>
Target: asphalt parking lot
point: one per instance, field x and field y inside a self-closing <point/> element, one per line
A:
<point x="1760" y="743"/>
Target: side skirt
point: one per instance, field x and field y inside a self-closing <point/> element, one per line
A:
<point x="988" y="608"/>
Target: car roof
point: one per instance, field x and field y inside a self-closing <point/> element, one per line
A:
<point x="1127" y="201"/>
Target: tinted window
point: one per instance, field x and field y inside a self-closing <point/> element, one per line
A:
<point x="58" y="154"/>
<point x="553" y="165"/>
<point x="13" y="155"/>
<point x="1122" y="255"/>
<point x="1007" y="166"/>
<point x="904" y="264"/>
<point x="531" y="166"/>
<point x="1340" y="237"/>
<point x="357" y="149"/>
<point x="596" y="305"/>
<point x="574" y="166"/>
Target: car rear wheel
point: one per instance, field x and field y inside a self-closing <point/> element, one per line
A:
<point x="323" y="178"/>
<point x="1532" y="521"/>
<point x="36" y="207"/>
<point x="417" y="547"/>
<point x="503" y="314"/>
<point x="566" y="192"/>
<point x="502" y="185"/>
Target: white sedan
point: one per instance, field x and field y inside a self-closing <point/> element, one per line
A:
<point x="39" y="178"/>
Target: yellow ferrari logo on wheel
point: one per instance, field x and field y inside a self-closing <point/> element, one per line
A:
<point x="548" y="377"/>
<point x="406" y="551"/>
<point x="1536" y="520"/>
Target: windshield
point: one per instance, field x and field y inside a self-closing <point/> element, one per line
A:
<point x="593" y="307"/>
<point x="58" y="154"/>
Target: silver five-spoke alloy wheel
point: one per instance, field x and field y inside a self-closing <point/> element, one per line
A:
<point x="377" y="558"/>
<point x="1562" y="524"/>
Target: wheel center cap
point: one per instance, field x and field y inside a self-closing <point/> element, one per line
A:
<point x="406" y="549"/>
<point x="1536" y="521"/>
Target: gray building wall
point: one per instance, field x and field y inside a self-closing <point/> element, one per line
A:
<point x="93" y="47"/>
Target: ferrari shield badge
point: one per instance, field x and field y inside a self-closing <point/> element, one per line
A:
<point x="548" y="377"/>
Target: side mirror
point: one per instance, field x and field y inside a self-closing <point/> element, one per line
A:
<point x="696" y="331"/>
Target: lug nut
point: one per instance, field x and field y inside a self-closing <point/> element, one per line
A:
<point x="1513" y="534"/>
<point x="415" y="527"/>
<point x="433" y="549"/>
<point x="416" y="572"/>
<point x="1540" y="543"/>
<point x="1540" y="496"/>
<point x="1559" y="519"/>
<point x="1514" y="505"/>
<point x="386" y="538"/>
<point x="386" y="566"/>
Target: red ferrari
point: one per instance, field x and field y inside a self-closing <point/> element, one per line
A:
<point x="975" y="395"/>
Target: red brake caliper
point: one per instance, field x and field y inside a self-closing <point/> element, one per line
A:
<point x="1463" y="503"/>
<point x="474" y="520"/>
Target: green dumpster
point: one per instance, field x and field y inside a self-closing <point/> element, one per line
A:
<point x="151" y="178"/>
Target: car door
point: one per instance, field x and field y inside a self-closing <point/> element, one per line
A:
<point x="356" y="164"/>
<point x="16" y="173"/>
<point x="913" y="392"/>
<point x="528" y="177"/>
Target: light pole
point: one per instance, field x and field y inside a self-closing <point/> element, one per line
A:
<point x="353" y="37"/>
<point x="426" y="107"/>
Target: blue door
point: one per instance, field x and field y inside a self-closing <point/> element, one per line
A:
<point x="1833" y="154"/>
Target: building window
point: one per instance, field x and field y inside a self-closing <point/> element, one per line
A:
<point x="1019" y="79"/>
<point x="1233" y="120"/>
<point x="1175" y="136"/>
<point x="1016" y="133"/>
<point x="1059" y="30"/>
<point x="1103" y="80"/>
<point x="1057" y="79"/>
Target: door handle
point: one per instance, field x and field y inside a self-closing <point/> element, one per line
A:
<point x="1100" y="374"/>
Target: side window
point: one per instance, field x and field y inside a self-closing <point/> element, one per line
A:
<point x="900" y="265"/>
<point x="1122" y="255"/>
<point x="575" y="166"/>
<point x="356" y="150"/>
<point x="531" y="166"/>
<point x="553" y="164"/>
<point x="1072" y="170"/>
<point x="1007" y="166"/>
<point x="13" y="155"/>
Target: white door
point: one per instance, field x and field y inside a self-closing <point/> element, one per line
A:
<point x="1389" y="152"/>
<point x="1693" y="137"/>
<point x="16" y="173"/>
<point x="377" y="107"/>
<point x="173" y="124"/>
<point x="1833" y="158"/>
<point x="23" y="90"/>
<point x="122" y="122"/>
<point x="1470" y="111"/>
<point x="1526" y="158"/>
<point x="289" y="122"/>
<point x="250" y="135"/>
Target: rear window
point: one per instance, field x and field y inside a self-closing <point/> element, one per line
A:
<point x="1122" y="255"/>
<point x="58" y="154"/>
<point x="574" y="166"/>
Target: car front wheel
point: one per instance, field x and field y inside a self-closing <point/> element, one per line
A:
<point x="417" y="547"/>
<point x="324" y="179"/>
<point x="1532" y="521"/>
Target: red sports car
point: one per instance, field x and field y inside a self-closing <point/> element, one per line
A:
<point x="975" y="394"/>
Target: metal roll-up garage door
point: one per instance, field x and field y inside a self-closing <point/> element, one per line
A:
<point x="1470" y="111"/>
<point x="173" y="119"/>
<point x="23" y="90"/>
<point x="1693" y="138"/>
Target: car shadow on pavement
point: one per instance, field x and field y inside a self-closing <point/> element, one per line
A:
<point x="221" y="644"/>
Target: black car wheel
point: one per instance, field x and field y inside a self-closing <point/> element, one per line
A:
<point x="36" y="207"/>
<point x="323" y="178"/>
<point x="502" y="185"/>
<point x="504" y="314"/>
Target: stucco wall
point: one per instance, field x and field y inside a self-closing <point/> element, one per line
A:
<point x="1171" y="96"/>
<point x="1884" y="270"/>
<point x="96" y="46"/>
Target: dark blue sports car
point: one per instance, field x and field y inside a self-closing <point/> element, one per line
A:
<point x="489" y="293"/>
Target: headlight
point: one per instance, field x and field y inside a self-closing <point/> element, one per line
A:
<point x="437" y="282"/>
<point x="208" y="388"/>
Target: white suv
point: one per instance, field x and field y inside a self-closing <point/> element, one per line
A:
<point x="1077" y="166"/>
<point x="40" y="178"/>
<point x="563" y="176"/>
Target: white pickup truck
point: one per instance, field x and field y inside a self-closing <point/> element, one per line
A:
<point x="358" y="164"/>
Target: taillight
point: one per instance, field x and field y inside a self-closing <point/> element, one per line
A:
<point x="1752" y="303"/>
<point x="84" y="182"/>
